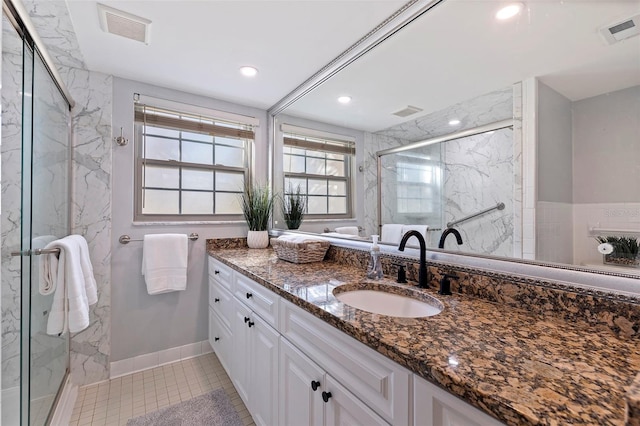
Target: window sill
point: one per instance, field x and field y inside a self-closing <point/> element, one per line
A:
<point x="190" y="222"/>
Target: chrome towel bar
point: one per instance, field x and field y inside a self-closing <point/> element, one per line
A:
<point x="35" y="252"/>
<point x="125" y="239"/>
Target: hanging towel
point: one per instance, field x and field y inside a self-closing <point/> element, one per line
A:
<point x="164" y="262"/>
<point x="391" y="233"/>
<point x="70" y="308"/>
<point x="90" y="285"/>
<point x="46" y="283"/>
<point x="351" y="230"/>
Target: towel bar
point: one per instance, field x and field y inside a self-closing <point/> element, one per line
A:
<point x="125" y="239"/>
<point x="35" y="252"/>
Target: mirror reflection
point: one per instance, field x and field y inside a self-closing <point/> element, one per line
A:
<point x="566" y="166"/>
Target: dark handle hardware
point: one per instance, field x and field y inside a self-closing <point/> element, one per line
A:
<point x="315" y="385"/>
<point x="216" y="272"/>
<point x="251" y="324"/>
<point x="215" y="339"/>
<point x="249" y="295"/>
<point x="216" y="300"/>
<point x="402" y="274"/>
<point x="326" y="396"/>
<point x="246" y="319"/>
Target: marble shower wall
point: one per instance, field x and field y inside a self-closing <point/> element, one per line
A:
<point x="488" y="108"/>
<point x="91" y="198"/>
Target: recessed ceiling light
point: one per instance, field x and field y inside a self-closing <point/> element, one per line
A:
<point x="509" y="11"/>
<point x="248" y="71"/>
<point x="344" y="99"/>
<point x="454" y="122"/>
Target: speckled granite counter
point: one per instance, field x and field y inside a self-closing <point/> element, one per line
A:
<point x="523" y="369"/>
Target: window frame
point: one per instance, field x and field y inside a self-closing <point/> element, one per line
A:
<point x="140" y="162"/>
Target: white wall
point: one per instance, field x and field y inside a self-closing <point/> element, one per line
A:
<point x="141" y="323"/>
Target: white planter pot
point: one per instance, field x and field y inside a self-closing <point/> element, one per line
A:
<point x="258" y="239"/>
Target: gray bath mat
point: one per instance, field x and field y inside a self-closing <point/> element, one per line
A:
<point x="211" y="409"/>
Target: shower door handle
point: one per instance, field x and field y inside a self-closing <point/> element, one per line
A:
<point x="35" y="252"/>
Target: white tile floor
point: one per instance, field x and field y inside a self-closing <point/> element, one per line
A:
<point x="116" y="401"/>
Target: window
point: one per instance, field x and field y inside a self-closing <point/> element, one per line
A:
<point x="418" y="187"/>
<point x="189" y="166"/>
<point x="321" y="167"/>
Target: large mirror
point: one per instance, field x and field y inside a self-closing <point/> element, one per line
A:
<point x="523" y="133"/>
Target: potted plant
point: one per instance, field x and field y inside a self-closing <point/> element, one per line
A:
<point x="294" y="204"/>
<point x="257" y="205"/>
<point x="622" y="251"/>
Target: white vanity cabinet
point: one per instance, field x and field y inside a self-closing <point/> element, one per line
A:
<point x="436" y="407"/>
<point x="221" y="311"/>
<point x="310" y="396"/>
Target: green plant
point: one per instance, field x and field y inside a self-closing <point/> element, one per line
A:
<point x="623" y="247"/>
<point x="257" y="205"/>
<point x="294" y="204"/>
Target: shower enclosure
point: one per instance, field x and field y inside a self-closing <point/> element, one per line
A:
<point x="35" y="178"/>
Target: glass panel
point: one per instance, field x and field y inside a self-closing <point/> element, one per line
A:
<point x="161" y="148"/>
<point x="200" y="153"/>
<point x="317" y="205"/>
<point x="197" y="137"/>
<point x="197" y="202"/>
<point x="161" y="177"/>
<point x="292" y="150"/>
<point x="227" y="156"/>
<point x="228" y="203"/>
<point x="229" y="181"/>
<point x="317" y="187"/>
<point x="159" y="131"/>
<point x="337" y="188"/>
<point x="337" y="205"/>
<point x="293" y="164"/>
<point x="239" y="143"/>
<point x="335" y="168"/>
<point x="160" y="202"/>
<point x="315" y="166"/>
<point x="197" y="179"/>
<point x="294" y="183"/>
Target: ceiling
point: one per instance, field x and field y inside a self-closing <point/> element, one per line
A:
<point x="198" y="46"/>
<point x="458" y="51"/>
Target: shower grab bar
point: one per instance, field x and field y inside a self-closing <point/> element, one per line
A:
<point x="126" y="239"/>
<point x="35" y="252"/>
<point x="499" y="206"/>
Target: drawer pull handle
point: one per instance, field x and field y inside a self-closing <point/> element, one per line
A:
<point x="251" y="324"/>
<point x="215" y="339"/>
<point x="216" y="272"/>
<point x="216" y="300"/>
<point x="315" y="385"/>
<point x="249" y="295"/>
<point x="246" y="319"/>
<point x="326" y="396"/>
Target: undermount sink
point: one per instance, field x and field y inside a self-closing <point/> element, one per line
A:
<point x="379" y="300"/>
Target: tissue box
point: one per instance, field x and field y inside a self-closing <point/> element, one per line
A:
<point x="300" y="252"/>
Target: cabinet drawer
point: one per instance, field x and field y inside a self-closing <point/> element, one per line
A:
<point x="221" y="273"/>
<point x="260" y="300"/>
<point x="380" y="383"/>
<point x="220" y="340"/>
<point x="221" y="301"/>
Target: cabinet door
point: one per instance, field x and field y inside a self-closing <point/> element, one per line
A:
<point x="299" y="403"/>
<point x="220" y="340"/>
<point x="221" y="301"/>
<point x="240" y="360"/>
<point x="343" y="408"/>
<point x="263" y="354"/>
<point x="436" y="407"/>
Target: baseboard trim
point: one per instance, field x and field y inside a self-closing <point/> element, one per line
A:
<point x="64" y="408"/>
<point x="156" y="359"/>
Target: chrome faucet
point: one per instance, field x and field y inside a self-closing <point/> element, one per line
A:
<point x="446" y="233"/>
<point x="422" y="272"/>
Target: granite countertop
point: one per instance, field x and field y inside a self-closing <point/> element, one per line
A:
<point x="521" y="368"/>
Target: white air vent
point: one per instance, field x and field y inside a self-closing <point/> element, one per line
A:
<point x="124" y="24"/>
<point x="407" y="111"/>
<point x="621" y="30"/>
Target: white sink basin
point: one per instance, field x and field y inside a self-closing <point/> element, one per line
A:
<point x="394" y="305"/>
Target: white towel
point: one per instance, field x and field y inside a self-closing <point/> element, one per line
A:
<point x="70" y="307"/>
<point x="391" y="233"/>
<point x="46" y="283"/>
<point x="420" y="228"/>
<point x="298" y="238"/>
<point x="351" y="230"/>
<point x="164" y="262"/>
<point x="90" y="285"/>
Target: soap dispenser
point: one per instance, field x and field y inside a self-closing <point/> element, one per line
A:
<point x="375" y="266"/>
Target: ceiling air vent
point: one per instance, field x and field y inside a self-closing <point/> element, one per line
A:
<point x="621" y="30"/>
<point x="407" y="111"/>
<point x="124" y="24"/>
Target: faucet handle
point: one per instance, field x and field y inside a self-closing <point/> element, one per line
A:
<point x="445" y="284"/>
<point x="402" y="274"/>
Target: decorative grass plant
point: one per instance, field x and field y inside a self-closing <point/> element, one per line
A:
<point x="294" y="204"/>
<point x="257" y="205"/>
<point x="625" y="250"/>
